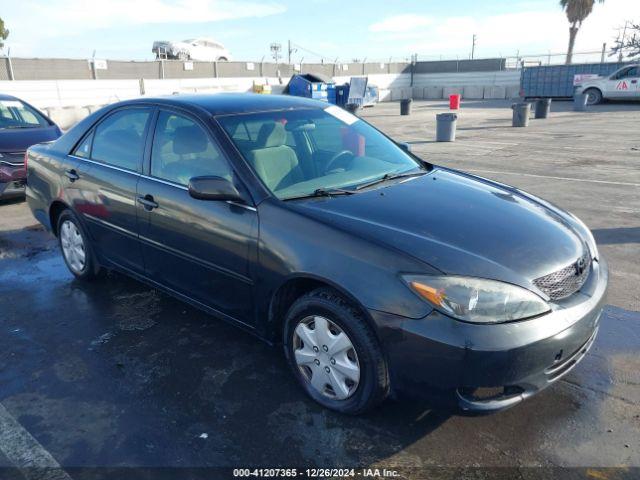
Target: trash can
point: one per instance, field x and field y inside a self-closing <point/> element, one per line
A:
<point x="580" y="102"/>
<point x="454" y="101"/>
<point x="446" y="127"/>
<point x="352" y="108"/>
<point x="543" y="107"/>
<point x="521" y="112"/>
<point x="405" y="106"/>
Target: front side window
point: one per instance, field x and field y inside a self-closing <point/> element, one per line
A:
<point x="182" y="150"/>
<point x="296" y="152"/>
<point x="626" y="73"/>
<point x="119" y="139"/>
<point x="16" y="114"/>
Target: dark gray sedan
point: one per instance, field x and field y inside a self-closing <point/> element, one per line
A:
<point x="377" y="271"/>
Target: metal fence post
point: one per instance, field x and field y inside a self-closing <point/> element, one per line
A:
<point x="10" y="68"/>
<point x="215" y="69"/>
<point x="161" y="72"/>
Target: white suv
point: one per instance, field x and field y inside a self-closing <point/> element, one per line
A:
<point x="202" y="49"/>
<point x="621" y="84"/>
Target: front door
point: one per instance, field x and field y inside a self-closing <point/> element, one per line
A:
<point x="109" y="164"/>
<point x="633" y="79"/>
<point x="199" y="248"/>
<point x="623" y="83"/>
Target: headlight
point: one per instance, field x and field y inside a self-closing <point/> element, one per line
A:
<point x="477" y="300"/>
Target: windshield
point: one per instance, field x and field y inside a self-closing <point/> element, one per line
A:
<point x="298" y="152"/>
<point x="15" y="114"/>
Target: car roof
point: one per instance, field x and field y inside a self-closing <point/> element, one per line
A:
<point x="4" y="96"/>
<point x="233" y="103"/>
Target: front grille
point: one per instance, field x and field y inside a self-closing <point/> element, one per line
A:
<point x="566" y="281"/>
<point x="13" y="159"/>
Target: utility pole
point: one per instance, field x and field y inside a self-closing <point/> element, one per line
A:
<point x="624" y="34"/>
<point x="289" y="52"/>
<point x="473" y="46"/>
<point x="604" y="50"/>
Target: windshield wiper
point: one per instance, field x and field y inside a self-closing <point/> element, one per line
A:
<point x="11" y="127"/>
<point x="390" y="176"/>
<point x="322" y="192"/>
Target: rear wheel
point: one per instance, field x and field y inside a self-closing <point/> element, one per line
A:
<point x="334" y="354"/>
<point x="594" y="96"/>
<point x="75" y="247"/>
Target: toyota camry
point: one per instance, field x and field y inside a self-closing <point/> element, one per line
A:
<point x="377" y="271"/>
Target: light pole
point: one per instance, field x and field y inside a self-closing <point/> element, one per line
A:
<point x="275" y="51"/>
<point x="473" y="46"/>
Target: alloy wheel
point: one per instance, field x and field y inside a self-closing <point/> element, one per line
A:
<point x="73" y="246"/>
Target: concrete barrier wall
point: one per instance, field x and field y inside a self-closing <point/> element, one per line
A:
<point x="60" y="95"/>
<point x="65" y="93"/>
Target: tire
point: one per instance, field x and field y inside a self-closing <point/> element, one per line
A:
<point x="372" y="381"/>
<point x="72" y="239"/>
<point x="594" y="96"/>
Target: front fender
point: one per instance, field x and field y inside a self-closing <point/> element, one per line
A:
<point x="293" y="245"/>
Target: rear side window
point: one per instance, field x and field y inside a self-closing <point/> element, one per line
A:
<point x="119" y="139"/>
<point x="182" y="150"/>
<point x="84" y="149"/>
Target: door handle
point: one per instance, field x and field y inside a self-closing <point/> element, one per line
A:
<point x="147" y="202"/>
<point x="72" y="175"/>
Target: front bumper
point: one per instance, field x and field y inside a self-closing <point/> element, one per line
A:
<point x="492" y="367"/>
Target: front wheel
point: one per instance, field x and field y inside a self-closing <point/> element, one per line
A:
<point x="594" y="96"/>
<point x="334" y="354"/>
<point x="75" y="247"/>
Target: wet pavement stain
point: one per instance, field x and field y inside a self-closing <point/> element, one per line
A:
<point x="115" y="373"/>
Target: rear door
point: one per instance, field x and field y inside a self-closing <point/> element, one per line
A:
<point x="201" y="249"/>
<point x="109" y="165"/>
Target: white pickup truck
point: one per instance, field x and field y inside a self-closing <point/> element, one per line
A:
<point x="620" y="85"/>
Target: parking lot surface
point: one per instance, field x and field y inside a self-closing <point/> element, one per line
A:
<point x="114" y="373"/>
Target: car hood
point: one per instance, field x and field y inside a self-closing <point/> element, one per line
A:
<point x="459" y="225"/>
<point x="19" y="139"/>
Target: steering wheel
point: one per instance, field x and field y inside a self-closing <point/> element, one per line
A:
<point x="331" y="164"/>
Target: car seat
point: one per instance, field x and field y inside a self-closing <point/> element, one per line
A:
<point x="275" y="163"/>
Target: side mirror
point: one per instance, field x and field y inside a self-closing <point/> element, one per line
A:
<point x="405" y="146"/>
<point x="214" y="188"/>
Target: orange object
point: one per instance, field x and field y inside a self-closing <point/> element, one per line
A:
<point x="433" y="295"/>
<point x="454" y="101"/>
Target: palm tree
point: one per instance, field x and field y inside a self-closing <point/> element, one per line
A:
<point x="577" y="11"/>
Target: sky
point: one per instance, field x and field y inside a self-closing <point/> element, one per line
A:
<point x="375" y="30"/>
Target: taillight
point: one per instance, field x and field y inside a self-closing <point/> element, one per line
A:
<point x="26" y="157"/>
